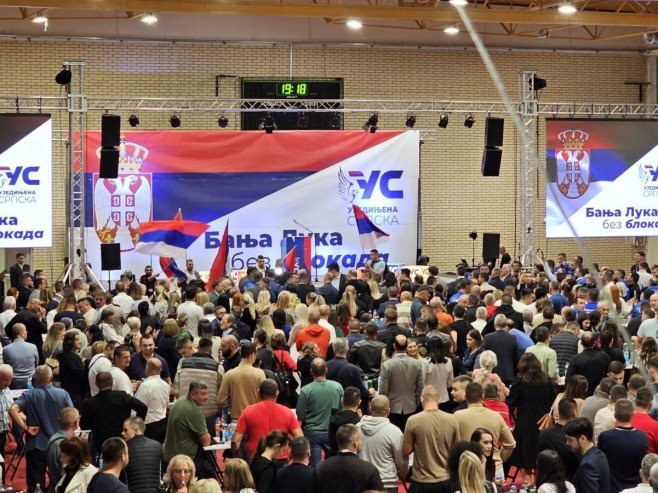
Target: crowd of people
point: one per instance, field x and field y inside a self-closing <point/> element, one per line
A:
<point x="540" y="376"/>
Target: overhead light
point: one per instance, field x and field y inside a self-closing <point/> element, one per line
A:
<point x="302" y="120"/>
<point x="567" y="8"/>
<point x="174" y="121"/>
<point x="443" y="121"/>
<point x="452" y="30"/>
<point x="459" y="3"/>
<point x="63" y="77"/>
<point x="133" y="120"/>
<point x="268" y="124"/>
<point x="40" y="18"/>
<point x="371" y="123"/>
<point x="354" y="24"/>
<point x="222" y="121"/>
<point x="411" y="121"/>
<point x="149" y="18"/>
<point x="469" y="122"/>
<point x="334" y="121"/>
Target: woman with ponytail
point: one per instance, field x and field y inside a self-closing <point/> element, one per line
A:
<point x="264" y="466"/>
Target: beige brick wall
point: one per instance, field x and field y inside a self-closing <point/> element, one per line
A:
<point x="455" y="197"/>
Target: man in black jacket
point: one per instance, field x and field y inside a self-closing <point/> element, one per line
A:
<point x="553" y="438"/>
<point x="345" y="373"/>
<point x="16" y="271"/>
<point x="505" y="347"/>
<point x="34" y="319"/>
<point x="144" y="470"/>
<point x="592" y="363"/>
<point x="296" y="476"/>
<point x="350" y="413"/>
<point x="506" y="309"/>
<point x="105" y="413"/>
<point x="346" y="472"/>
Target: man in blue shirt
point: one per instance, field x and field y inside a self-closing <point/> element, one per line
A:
<point x="41" y="405"/>
<point x="22" y="356"/>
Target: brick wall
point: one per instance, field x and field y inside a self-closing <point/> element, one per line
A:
<point x="455" y="197"/>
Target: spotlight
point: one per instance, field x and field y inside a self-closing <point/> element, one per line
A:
<point x="222" y="121"/>
<point x="354" y="24"/>
<point x="411" y="121"/>
<point x="567" y="8"/>
<point x="174" y="121"/>
<point x="459" y="3"/>
<point x="64" y="77"/>
<point x="302" y="120"/>
<point x="371" y="123"/>
<point x="452" y="30"/>
<point x="469" y="122"/>
<point x="334" y="121"/>
<point x="40" y="18"/>
<point x="133" y="120"/>
<point x="149" y="19"/>
<point x="443" y="121"/>
<point x="537" y="83"/>
<point x="268" y="124"/>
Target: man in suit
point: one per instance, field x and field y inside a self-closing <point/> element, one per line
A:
<point x="592" y="363"/>
<point x="593" y="473"/>
<point x="346" y="471"/>
<point x="16" y="271"/>
<point x="553" y="438"/>
<point x="505" y="347"/>
<point x="339" y="280"/>
<point x="401" y="380"/>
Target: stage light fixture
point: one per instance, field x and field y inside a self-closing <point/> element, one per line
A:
<point x="459" y="3"/>
<point x="354" y="24"/>
<point x="371" y="123"/>
<point x="567" y="8"/>
<point x="451" y="30"/>
<point x="411" y="121"/>
<point x="133" y="120"/>
<point x="268" y="124"/>
<point x="174" y="121"/>
<point x="222" y="121"/>
<point x="302" y="120"/>
<point x="443" y="121"/>
<point x="63" y="77"/>
<point x="334" y="121"/>
<point x="469" y="122"/>
<point x="537" y="83"/>
<point x="149" y="19"/>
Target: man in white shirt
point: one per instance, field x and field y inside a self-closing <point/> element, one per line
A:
<point x="122" y="299"/>
<point x="98" y="363"/>
<point x="84" y="305"/>
<point x="9" y="307"/>
<point x="192" y="310"/>
<point x="480" y="319"/>
<point x="645" y="475"/>
<point x="154" y="392"/>
<point x="120" y="361"/>
<point x="324" y="322"/>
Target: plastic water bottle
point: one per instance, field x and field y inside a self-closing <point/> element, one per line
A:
<point x="218" y="429"/>
<point x="524" y="487"/>
<point x="532" y="489"/>
<point x="512" y="488"/>
<point x="29" y="383"/>
<point x="223" y="436"/>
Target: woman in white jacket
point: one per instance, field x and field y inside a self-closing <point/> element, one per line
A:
<point x="78" y="470"/>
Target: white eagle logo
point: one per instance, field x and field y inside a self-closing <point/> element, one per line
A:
<point x="346" y="188"/>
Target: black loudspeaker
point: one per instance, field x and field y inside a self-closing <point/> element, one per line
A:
<point x="109" y="167"/>
<point x="110" y="256"/>
<point x="491" y="157"/>
<point x="110" y="130"/>
<point x="490" y="246"/>
<point x="493" y="132"/>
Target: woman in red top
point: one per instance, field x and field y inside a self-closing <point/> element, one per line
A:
<point x="282" y="356"/>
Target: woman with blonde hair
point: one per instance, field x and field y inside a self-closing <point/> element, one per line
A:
<point x="263" y="306"/>
<point x="265" y="323"/>
<point x="309" y="352"/>
<point x="174" y="302"/>
<point x="471" y="474"/>
<point x="283" y="303"/>
<point x="248" y="310"/>
<point x="52" y="346"/>
<point x="237" y="477"/>
<point x="201" y="298"/>
<point x="161" y="302"/>
<point x="207" y="486"/>
<point x="301" y="317"/>
<point x="180" y="475"/>
<point x="349" y="299"/>
<point x="484" y="374"/>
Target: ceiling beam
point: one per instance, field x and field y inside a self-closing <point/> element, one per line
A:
<point x="440" y="13"/>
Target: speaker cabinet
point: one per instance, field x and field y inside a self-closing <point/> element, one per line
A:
<point x="490" y="246"/>
<point x="110" y="130"/>
<point x="493" y="132"/>
<point x="109" y="167"/>
<point x="491" y="157"/>
<point x="110" y="256"/>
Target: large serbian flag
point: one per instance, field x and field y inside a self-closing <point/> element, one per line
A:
<point x="168" y="238"/>
<point x="368" y="232"/>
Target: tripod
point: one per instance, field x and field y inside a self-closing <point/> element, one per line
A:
<point x="74" y="269"/>
<point x="473" y="236"/>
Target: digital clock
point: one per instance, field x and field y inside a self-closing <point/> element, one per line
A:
<point x="292" y="89"/>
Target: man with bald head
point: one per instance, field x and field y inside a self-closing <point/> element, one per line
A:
<point x="230" y="352"/>
<point x="154" y="392"/>
<point x="316" y="400"/>
<point x="381" y="444"/>
<point x="401" y="380"/>
<point x="34" y="319"/>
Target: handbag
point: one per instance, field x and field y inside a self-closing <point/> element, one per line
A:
<point x="546" y="421"/>
<point x="287" y="384"/>
<point x="53" y="363"/>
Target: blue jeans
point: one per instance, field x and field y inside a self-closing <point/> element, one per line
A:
<point x="318" y="444"/>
